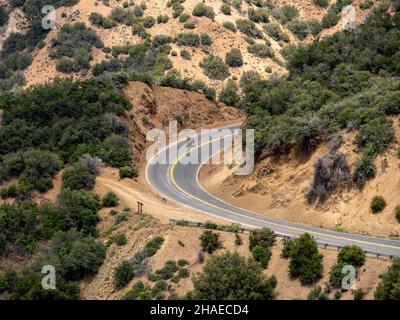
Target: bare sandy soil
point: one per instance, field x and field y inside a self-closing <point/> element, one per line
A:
<point x="278" y="187"/>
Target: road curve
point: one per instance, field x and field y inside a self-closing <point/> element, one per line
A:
<point x="178" y="182"/>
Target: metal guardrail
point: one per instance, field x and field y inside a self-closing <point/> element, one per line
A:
<point x="324" y="245"/>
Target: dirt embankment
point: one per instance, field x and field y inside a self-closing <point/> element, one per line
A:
<point x="278" y="188"/>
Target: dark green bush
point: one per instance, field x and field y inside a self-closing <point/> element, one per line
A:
<point x="201" y="10"/>
<point x="214" y="67"/>
<point x="229" y="277"/>
<point x="378" y="203"/>
<point x="234" y="58"/>
<point x="210" y="241"/>
<point x="127" y="172"/>
<point x="261" y="50"/>
<point x="262" y="255"/>
<point x="248" y="28"/>
<point x="189" y="39"/>
<point x="264" y="237"/>
<point x="397" y="213"/>
<point x="226" y="9"/>
<point x="205" y="39"/>
<point x="229" y="94"/>
<point x="67" y="250"/>
<point x="351" y="255"/>
<point x="305" y="261"/>
<point x="258" y="15"/>
<point x="389" y="284"/>
<point x="149" y="22"/>
<point x="124" y="273"/>
<point x="119" y="239"/>
<point x="230" y="26"/>
<point x="78" y="177"/>
<point x="321" y="3"/>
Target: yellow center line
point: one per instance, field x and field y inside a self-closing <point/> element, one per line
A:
<point x="172" y="177"/>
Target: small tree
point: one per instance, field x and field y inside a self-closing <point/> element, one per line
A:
<point x="351" y="255"/>
<point x="127" y="172"/>
<point x="229" y="94"/>
<point x="397" y="213"/>
<point x="123" y="274"/>
<point x="234" y="58"/>
<point x="378" y="203"/>
<point x="210" y="241"/>
<point x="110" y="200"/>
<point x="264" y="237"/>
<point x="388" y="288"/>
<point x="262" y="255"/>
<point x="78" y="177"/>
<point x="305" y="261"/>
<point x="230" y="276"/>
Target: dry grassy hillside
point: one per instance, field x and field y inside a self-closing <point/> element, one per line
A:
<point x="43" y="68"/>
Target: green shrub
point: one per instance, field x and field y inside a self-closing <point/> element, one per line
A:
<point x="230" y="276"/>
<point x="264" y="237"/>
<point x="261" y="50"/>
<point x="214" y="68"/>
<point x="230" y="26"/>
<point x="351" y="255"/>
<point x="120" y="217"/>
<point x="305" y="261"/>
<point x="275" y="32"/>
<point x="336" y="275"/>
<point x="119" y="239"/>
<point x="78" y="177"/>
<point x="234" y="58"/>
<point x="330" y="20"/>
<point x="258" y="15"/>
<point x="321" y="3"/>
<point x="229" y="94"/>
<point x="262" y="255"/>
<point x="205" y="39"/>
<point x="153" y="277"/>
<point x="378" y="203"/>
<point x="248" y="28"/>
<point x="189" y="39"/>
<point x="123" y="274"/>
<point x="317" y="294"/>
<point x="183" y="262"/>
<point x="358" y="294"/>
<point x="186" y="55"/>
<point x="110" y="200"/>
<point x="3" y="16"/>
<point x="189" y="25"/>
<point x="184" y="17"/>
<point x="127" y="172"/>
<point x="299" y="28"/>
<point x="162" y="18"/>
<point x="315" y="27"/>
<point x="183" y="273"/>
<point x="201" y="10"/>
<point x="366" y="5"/>
<point x="397" y="213"/>
<point x="210" y="241"/>
<point x="149" y="22"/>
<point x="390" y="281"/>
<point x="226" y="9"/>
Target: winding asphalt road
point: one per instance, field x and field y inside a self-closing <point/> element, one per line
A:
<point x="178" y="182"/>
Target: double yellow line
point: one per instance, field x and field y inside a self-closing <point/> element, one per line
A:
<point x="298" y="229"/>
